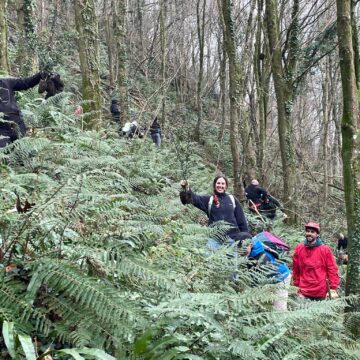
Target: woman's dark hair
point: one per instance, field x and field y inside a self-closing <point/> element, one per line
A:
<point x="218" y="177"/>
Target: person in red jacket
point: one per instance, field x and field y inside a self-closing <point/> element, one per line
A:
<point x="315" y="272"/>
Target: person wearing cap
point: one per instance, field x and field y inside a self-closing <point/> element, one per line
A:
<point x="315" y="272"/>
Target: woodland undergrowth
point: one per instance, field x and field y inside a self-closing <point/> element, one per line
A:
<point x="106" y="262"/>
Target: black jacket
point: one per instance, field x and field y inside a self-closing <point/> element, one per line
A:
<point x="342" y="243"/>
<point x="115" y="111"/>
<point x="155" y="127"/>
<point x="255" y="193"/>
<point x="225" y="212"/>
<point x="9" y="107"/>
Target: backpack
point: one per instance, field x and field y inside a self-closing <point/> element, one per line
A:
<point x="273" y="245"/>
<point x="211" y="200"/>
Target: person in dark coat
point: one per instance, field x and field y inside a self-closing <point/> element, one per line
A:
<point x="155" y="132"/>
<point x="255" y="192"/>
<point x="342" y="242"/>
<point x="259" y="201"/>
<point x="224" y="207"/>
<point x="12" y="125"/>
<point x="115" y="111"/>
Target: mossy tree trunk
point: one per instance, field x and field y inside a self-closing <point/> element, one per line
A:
<point x="88" y="45"/>
<point x="225" y="8"/>
<point x="350" y="144"/>
<point x="262" y="78"/>
<point x="200" y="17"/>
<point x="248" y="169"/>
<point x="26" y="54"/>
<point x="283" y="76"/>
<point x="119" y="24"/>
<point x="4" y="62"/>
<point x="326" y="111"/>
<point x="162" y="19"/>
<point x="110" y="41"/>
<point x="222" y="80"/>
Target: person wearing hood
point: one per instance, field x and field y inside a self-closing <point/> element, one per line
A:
<point x="220" y="206"/>
<point x="278" y="272"/>
<point x="315" y="272"/>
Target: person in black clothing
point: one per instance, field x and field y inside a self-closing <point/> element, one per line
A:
<point x="219" y="207"/>
<point x="342" y="256"/>
<point x="12" y="125"/>
<point x="255" y="193"/>
<point x="155" y="132"/>
<point x="115" y="111"/>
<point x="259" y="201"/>
<point x="342" y="242"/>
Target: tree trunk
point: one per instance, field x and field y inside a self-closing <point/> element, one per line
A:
<point x="88" y="45"/>
<point x="325" y="137"/>
<point x="262" y="78"/>
<point x="350" y="146"/>
<point x="200" y="16"/>
<point x="4" y="62"/>
<point x="249" y="163"/>
<point x="26" y="55"/>
<point x="120" y="41"/>
<point x="234" y="91"/>
<point x="222" y="75"/>
<point x="110" y="41"/>
<point x="284" y="98"/>
<point x="163" y="64"/>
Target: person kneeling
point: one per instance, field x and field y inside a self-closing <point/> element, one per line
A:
<point x="279" y="274"/>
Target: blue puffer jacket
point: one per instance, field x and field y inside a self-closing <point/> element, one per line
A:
<point x="224" y="212"/>
<point x="282" y="271"/>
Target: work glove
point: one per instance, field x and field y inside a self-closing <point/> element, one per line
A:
<point x="185" y="193"/>
<point x="44" y="74"/>
<point x="333" y="294"/>
<point x="185" y="197"/>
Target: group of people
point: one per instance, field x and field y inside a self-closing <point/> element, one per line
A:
<point x="314" y="269"/>
<point x="132" y="129"/>
<point x="12" y="125"/>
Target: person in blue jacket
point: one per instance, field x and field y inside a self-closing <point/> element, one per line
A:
<point x="220" y="206"/>
<point x="279" y="272"/>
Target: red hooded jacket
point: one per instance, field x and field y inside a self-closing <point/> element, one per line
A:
<point x="311" y="267"/>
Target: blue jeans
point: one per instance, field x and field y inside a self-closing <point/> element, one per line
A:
<point x="156" y="138"/>
<point x="214" y="245"/>
<point x="4" y="140"/>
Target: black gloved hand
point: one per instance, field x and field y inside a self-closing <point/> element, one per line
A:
<point x="185" y="197"/>
<point x="44" y="74"/>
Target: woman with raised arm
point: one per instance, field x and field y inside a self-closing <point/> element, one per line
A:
<point x="220" y="206"/>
